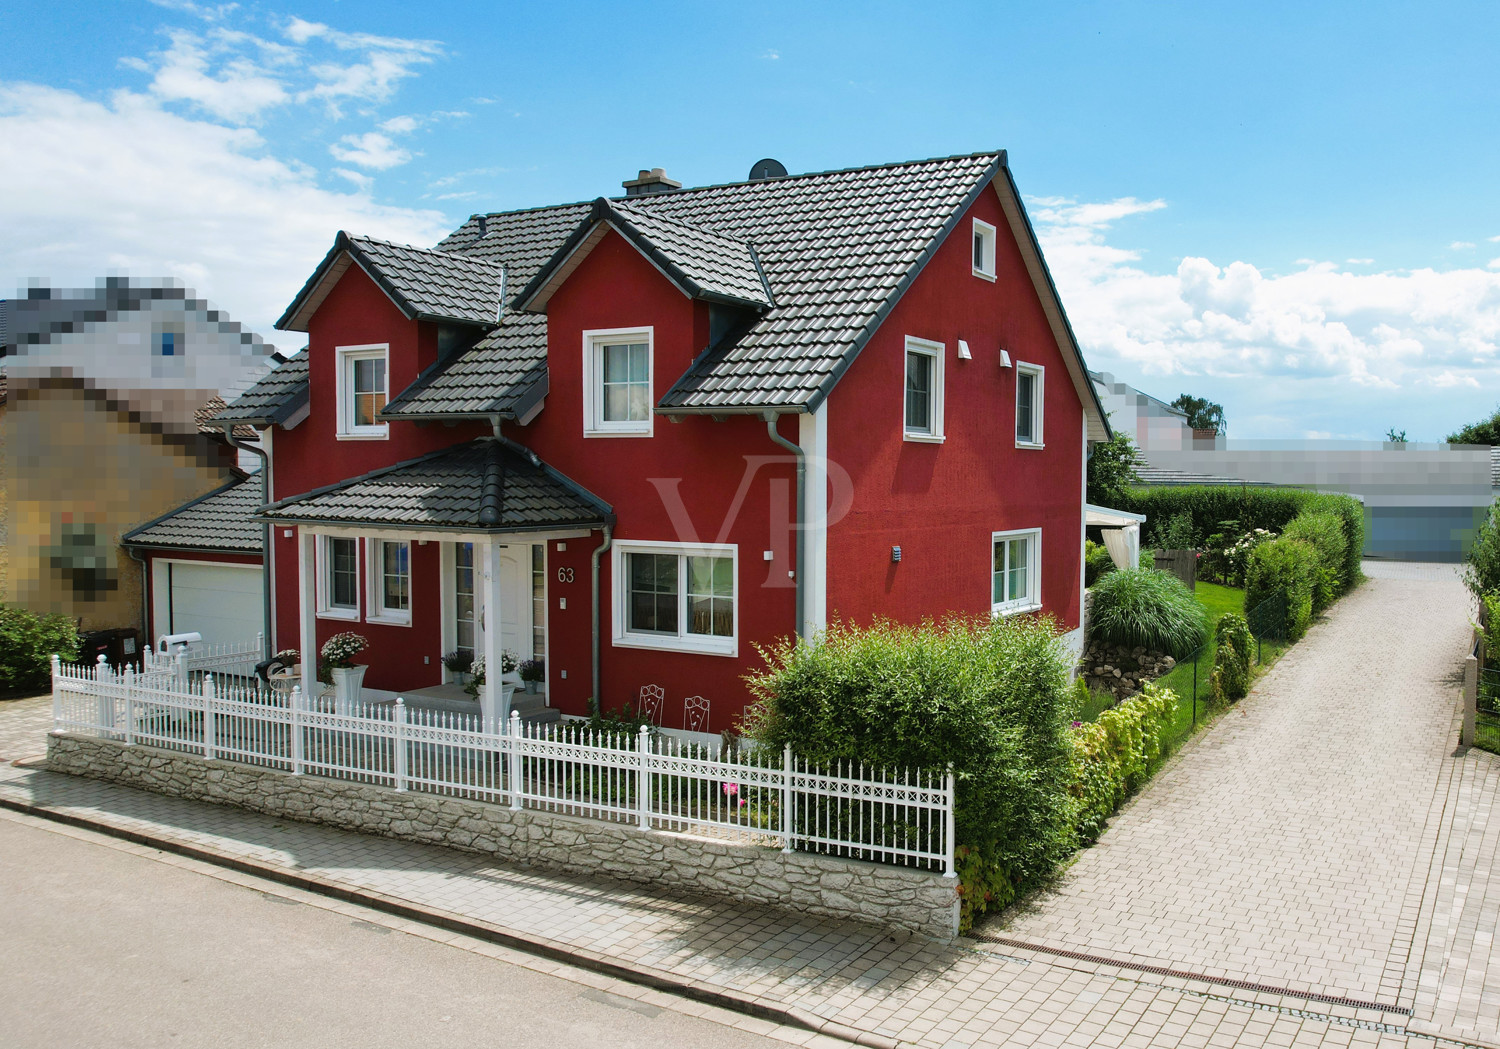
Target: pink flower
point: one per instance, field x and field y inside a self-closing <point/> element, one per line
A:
<point x="1078" y="724"/>
<point x="731" y="789"/>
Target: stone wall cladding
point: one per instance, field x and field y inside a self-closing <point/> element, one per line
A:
<point x="895" y="897"/>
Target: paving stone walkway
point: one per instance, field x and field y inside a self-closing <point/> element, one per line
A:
<point x="1320" y="838"/>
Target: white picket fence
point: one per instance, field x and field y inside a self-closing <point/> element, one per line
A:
<point x="655" y="782"/>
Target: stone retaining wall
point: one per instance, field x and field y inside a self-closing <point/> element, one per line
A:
<point x="896" y="897"/>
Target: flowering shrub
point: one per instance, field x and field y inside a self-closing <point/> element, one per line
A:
<point x="532" y="670"/>
<point x="1227" y="555"/>
<point x="476" y="680"/>
<point x="340" y="649"/>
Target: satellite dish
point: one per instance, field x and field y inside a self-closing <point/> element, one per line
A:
<point x="767" y="168"/>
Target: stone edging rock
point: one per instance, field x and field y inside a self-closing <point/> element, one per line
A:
<point x="895" y="897"/>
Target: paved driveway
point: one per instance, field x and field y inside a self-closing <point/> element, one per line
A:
<point x="1291" y="845"/>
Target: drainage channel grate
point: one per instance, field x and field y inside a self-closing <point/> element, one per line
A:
<point x="1181" y="974"/>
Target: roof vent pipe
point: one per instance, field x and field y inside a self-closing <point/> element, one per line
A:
<point x="649" y="183"/>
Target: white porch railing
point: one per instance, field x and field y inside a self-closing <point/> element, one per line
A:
<point x="651" y="781"/>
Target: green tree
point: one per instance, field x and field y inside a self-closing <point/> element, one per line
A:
<point x="1202" y="413"/>
<point x="1111" y="470"/>
<point x="1395" y="436"/>
<point x="1485" y="431"/>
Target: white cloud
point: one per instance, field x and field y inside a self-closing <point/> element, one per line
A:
<point x="770" y="54"/>
<point x="128" y="186"/>
<point x="240" y="90"/>
<point x="400" y="125"/>
<point x="1360" y="262"/>
<point x="1494" y="240"/>
<point x="386" y="61"/>
<point x="203" y="11"/>
<point x="371" y="150"/>
<point x="1274" y="337"/>
<point x="1461" y="245"/>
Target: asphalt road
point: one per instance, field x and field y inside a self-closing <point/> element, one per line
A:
<point x="102" y="947"/>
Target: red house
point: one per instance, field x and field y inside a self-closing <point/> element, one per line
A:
<point x="637" y="437"/>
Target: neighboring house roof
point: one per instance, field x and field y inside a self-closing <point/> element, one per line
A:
<point x="1494" y="463"/>
<point x="836" y="250"/>
<point x="220" y="521"/>
<point x="1153" y="476"/>
<point x="479" y="486"/>
<point x="274" y="398"/>
<point x="424" y="284"/>
<point x="209" y="409"/>
<point x="702" y="262"/>
<point x="4" y="388"/>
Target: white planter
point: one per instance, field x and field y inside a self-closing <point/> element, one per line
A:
<point x="347" y="682"/>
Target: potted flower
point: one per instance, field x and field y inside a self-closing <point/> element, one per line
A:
<point x="348" y="677"/>
<point x="459" y="663"/>
<point x="476" y="682"/>
<point x="532" y="671"/>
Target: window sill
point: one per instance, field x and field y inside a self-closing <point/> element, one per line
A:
<point x="1000" y="611"/>
<point x="1034" y="446"/>
<point x="383" y="435"/>
<point x="684" y="646"/>
<point x="389" y="620"/>
<point x="617" y="433"/>
<point x="987" y="276"/>
<point x="924" y="438"/>
<point x="348" y="615"/>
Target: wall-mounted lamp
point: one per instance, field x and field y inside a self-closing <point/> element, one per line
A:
<point x="963" y="351"/>
<point x="895" y="555"/>
<point x="1004" y="359"/>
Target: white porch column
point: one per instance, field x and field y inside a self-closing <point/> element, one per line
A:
<point x="307" y="610"/>
<point x="492" y="700"/>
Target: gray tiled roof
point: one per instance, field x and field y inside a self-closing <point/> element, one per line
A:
<point x="221" y="520"/>
<point x="425" y="284"/>
<point x="1152" y="476"/>
<point x="447" y="490"/>
<point x="274" y="397"/>
<point x="501" y="375"/>
<point x="1495" y="467"/>
<point x="835" y="247"/>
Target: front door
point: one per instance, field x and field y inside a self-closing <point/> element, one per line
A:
<point x="466" y="612"/>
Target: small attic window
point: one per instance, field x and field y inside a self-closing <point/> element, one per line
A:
<point x="169" y="344"/>
<point x="984" y="250"/>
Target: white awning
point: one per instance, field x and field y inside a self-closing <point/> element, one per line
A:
<point x="1104" y="517"/>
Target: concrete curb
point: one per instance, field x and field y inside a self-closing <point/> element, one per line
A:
<point x="542" y="947"/>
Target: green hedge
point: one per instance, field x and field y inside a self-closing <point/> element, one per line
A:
<point x="1482" y="570"/>
<point x="989" y="696"/>
<point x="1323" y="531"/>
<point x="1279" y="584"/>
<point x="1113" y="755"/>
<point x="1271" y="508"/>
<point x="27" y="644"/>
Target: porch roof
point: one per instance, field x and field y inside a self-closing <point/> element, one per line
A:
<point x="481" y="486"/>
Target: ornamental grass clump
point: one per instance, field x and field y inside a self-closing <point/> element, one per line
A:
<point x="1141" y="607"/>
<point x="989" y="696"/>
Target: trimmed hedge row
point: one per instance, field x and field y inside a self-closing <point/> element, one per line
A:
<point x="27" y="643"/>
<point x="1271" y="508"/>
<point x="1230" y="679"/>
<point x="1279" y="588"/>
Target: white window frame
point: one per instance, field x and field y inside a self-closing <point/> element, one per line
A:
<point x="594" y="341"/>
<point x="1038" y="400"/>
<point x="1032" y="601"/>
<point x="983" y="229"/>
<point x="326" y="608"/>
<point x="937" y="351"/>
<point x="374" y="566"/>
<point x="345" y="356"/>
<point x="684" y="642"/>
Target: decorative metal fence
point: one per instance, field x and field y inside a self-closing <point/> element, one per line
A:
<point x="653" y="781"/>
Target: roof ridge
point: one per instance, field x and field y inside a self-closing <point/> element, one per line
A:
<point x="457" y="256"/>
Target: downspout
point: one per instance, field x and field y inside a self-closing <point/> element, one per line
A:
<point x="801" y="573"/>
<point x="266" y="581"/>
<point x="596" y="702"/>
<point x="145" y="599"/>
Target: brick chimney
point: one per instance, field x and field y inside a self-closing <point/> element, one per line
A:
<point x="650" y="182"/>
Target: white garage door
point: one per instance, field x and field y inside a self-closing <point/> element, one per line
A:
<point x="221" y="602"/>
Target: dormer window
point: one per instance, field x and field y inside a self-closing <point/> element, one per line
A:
<point x="984" y="250"/>
<point x="617" y="383"/>
<point x="363" y="388"/>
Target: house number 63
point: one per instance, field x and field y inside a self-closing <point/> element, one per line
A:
<point x="564" y="575"/>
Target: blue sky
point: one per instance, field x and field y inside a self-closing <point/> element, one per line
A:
<point x="1287" y="208"/>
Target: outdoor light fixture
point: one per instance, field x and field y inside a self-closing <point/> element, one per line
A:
<point x="895" y="554"/>
<point x="963" y="351"/>
<point x="1004" y="359"/>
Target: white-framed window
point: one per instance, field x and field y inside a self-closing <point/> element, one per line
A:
<point x="984" y="249"/>
<point x="1029" y="405"/>
<point x="923" y="412"/>
<point x="390" y="581"/>
<point x="338" y="577"/>
<point x="363" y="388"/>
<point x="681" y="597"/>
<point x="617" y="382"/>
<point x="1015" y="571"/>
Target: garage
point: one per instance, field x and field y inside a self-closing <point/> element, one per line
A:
<point x="220" y="601"/>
